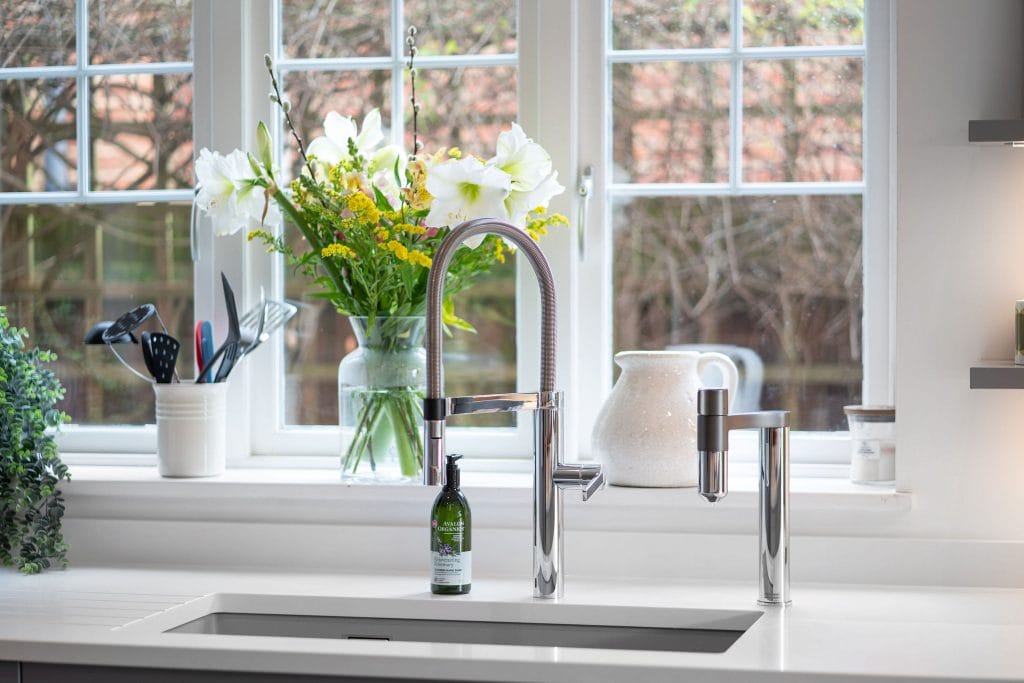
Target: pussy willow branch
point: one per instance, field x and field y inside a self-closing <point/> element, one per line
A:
<point x="280" y="102"/>
<point x="411" y="42"/>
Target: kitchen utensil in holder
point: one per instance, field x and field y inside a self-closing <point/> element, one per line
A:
<point x="190" y="429"/>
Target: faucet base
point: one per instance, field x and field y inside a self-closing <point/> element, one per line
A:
<point x="774" y="603"/>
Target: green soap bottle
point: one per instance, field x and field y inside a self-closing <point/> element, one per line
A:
<point x="451" y="556"/>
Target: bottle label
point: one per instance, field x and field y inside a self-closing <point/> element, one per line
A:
<point x="451" y="562"/>
<point x="869" y="449"/>
<point x="451" y="569"/>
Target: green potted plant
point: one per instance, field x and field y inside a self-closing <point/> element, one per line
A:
<point x="31" y="504"/>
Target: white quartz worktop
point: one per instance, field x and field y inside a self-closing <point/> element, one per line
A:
<point x="106" y="616"/>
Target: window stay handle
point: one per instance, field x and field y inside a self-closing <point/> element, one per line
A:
<point x="584" y="189"/>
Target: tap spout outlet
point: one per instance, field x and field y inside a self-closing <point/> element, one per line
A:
<point x="713" y="425"/>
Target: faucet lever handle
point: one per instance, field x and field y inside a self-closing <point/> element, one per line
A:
<point x="587" y="477"/>
<point x="500" y="403"/>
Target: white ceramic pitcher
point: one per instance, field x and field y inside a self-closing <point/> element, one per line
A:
<point x="646" y="432"/>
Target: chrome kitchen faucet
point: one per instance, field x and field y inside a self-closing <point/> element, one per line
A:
<point x="713" y="425"/>
<point x="550" y="474"/>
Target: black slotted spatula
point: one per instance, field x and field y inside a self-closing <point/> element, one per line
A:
<point x="162" y="355"/>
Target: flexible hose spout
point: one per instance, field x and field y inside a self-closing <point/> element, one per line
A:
<point x="433" y="466"/>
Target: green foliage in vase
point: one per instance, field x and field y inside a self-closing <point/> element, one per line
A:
<point x="31" y="504"/>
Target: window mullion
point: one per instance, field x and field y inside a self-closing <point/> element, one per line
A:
<point x="82" y="96"/>
<point x="397" y="69"/>
<point x="736" y="97"/>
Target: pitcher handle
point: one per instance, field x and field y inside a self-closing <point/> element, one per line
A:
<point x="729" y="372"/>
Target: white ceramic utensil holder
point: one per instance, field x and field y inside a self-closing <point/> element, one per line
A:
<point x="190" y="429"/>
<point x="646" y="432"/>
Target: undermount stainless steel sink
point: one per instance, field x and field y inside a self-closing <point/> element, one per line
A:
<point x="678" y="630"/>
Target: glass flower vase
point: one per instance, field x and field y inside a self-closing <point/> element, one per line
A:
<point x="381" y="385"/>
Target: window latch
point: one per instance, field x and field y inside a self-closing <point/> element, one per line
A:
<point x="584" y="189"/>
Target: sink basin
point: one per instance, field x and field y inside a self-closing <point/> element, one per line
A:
<point x="662" y="629"/>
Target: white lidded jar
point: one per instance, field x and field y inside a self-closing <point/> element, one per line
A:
<point x="872" y="444"/>
<point x="646" y="431"/>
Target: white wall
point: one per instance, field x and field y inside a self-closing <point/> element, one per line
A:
<point x="960" y="267"/>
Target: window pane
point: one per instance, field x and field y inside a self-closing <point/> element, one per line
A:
<point x="779" y="275"/>
<point x="456" y="27"/>
<point x="323" y="29"/>
<point x="39" y="33"/>
<point x="315" y="93"/>
<point x="134" y="31"/>
<point x="38" y="152"/>
<point x="142" y="132"/>
<point x="803" y="120"/>
<point x="65" y="268"/>
<point x="657" y="24"/>
<point x="464" y="107"/>
<point x="671" y="122"/>
<point x="768" y="23"/>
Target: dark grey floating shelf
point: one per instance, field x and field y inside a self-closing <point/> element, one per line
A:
<point x="997" y="375"/>
<point x="996" y="131"/>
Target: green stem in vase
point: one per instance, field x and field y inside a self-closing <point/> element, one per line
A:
<point x="406" y="455"/>
<point x="369" y="417"/>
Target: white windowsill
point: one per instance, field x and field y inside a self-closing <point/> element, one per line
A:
<point x="500" y="499"/>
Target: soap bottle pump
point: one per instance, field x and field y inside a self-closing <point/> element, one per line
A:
<point x="450" y="536"/>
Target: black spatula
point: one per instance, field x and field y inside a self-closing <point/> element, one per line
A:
<point x="161" y="354"/>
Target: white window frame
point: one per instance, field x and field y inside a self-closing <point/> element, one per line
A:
<point x="595" y="62"/>
<point x="562" y="82"/>
<point x="270" y="436"/>
<point x="98" y="438"/>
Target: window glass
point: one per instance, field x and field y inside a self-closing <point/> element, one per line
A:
<point x="803" y="120"/>
<point x="38" y="149"/>
<point x="655" y="24"/>
<point x="772" y="23"/>
<point x="671" y="122"/>
<point x="64" y="268"/>
<point x="773" y="280"/>
<point x="141" y="132"/>
<point x="140" y="31"/>
<point x="462" y="105"/>
<point x="318" y="29"/>
<point x="456" y="27"/>
<point x="39" y="33"/>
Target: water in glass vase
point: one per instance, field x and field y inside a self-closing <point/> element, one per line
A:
<point x="380" y="400"/>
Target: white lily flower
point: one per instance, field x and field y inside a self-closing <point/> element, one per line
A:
<point x="521" y="203"/>
<point x="229" y="194"/>
<point x="384" y="160"/>
<point x="252" y="201"/>
<point x="464" y="189"/>
<point x="218" y="177"/>
<point x="332" y="147"/>
<point x="523" y="159"/>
